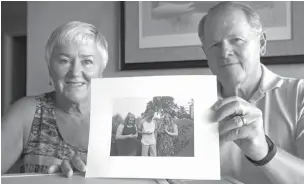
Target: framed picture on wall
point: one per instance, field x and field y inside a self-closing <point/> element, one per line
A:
<point x="173" y="24"/>
<point x="163" y="35"/>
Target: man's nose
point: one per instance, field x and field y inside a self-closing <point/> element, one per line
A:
<point x="226" y="50"/>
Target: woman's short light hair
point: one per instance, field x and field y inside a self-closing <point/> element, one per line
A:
<point x="252" y="16"/>
<point x="77" y="32"/>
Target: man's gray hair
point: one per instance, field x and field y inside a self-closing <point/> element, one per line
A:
<point x="252" y="16"/>
<point x="77" y="32"/>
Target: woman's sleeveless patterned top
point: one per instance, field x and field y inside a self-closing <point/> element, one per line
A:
<point x="45" y="145"/>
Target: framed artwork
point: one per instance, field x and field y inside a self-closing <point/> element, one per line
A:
<point x="163" y="34"/>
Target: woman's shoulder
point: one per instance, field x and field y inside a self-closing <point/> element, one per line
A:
<point x="23" y="105"/>
<point x="121" y="126"/>
<point x="31" y="101"/>
<point x="23" y="110"/>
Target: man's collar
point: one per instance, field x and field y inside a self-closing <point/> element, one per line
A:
<point x="268" y="82"/>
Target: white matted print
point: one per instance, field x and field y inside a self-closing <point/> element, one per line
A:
<point x="175" y="23"/>
<point x="114" y="97"/>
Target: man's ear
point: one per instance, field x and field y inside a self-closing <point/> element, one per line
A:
<point x="263" y="43"/>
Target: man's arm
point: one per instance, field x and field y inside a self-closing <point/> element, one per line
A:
<point x="140" y="126"/>
<point x="285" y="167"/>
<point x="250" y="137"/>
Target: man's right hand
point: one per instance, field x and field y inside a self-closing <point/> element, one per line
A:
<point x="67" y="166"/>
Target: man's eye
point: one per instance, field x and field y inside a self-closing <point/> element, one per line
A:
<point x="63" y="61"/>
<point x="237" y="40"/>
<point x="213" y="45"/>
<point x="87" y="61"/>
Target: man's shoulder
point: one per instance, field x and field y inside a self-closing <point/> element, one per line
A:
<point x="292" y="84"/>
<point x="291" y="91"/>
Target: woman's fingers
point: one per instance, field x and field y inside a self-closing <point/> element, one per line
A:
<point x="66" y="168"/>
<point x="78" y="163"/>
<point x="53" y="169"/>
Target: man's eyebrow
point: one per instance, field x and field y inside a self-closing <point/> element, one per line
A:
<point x="87" y="55"/>
<point x="64" y="54"/>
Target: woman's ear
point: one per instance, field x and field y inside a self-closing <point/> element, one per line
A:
<point x="263" y="43"/>
<point x="51" y="80"/>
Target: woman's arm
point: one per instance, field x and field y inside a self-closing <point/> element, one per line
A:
<point x="119" y="133"/>
<point x="136" y="134"/>
<point x="15" y="129"/>
<point x="175" y="133"/>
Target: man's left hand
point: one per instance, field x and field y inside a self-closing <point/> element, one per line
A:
<point x="241" y="122"/>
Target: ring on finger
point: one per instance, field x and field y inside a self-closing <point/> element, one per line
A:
<point x="244" y="120"/>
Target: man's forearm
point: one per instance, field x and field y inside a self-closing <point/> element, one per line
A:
<point x="284" y="168"/>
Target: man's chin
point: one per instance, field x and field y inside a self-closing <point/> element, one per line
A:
<point x="233" y="79"/>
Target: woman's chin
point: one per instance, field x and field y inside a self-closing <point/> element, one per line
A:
<point x="77" y="97"/>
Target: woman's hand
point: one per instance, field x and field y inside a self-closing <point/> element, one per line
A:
<point x="147" y="132"/>
<point x="67" y="167"/>
<point x="166" y="129"/>
<point x="242" y="122"/>
<point x="131" y="136"/>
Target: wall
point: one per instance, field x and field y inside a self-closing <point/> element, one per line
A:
<point x="43" y="17"/>
<point x="13" y="52"/>
<point x="13" y="18"/>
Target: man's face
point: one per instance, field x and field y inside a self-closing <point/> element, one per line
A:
<point x="232" y="46"/>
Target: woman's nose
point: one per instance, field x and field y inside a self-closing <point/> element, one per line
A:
<point x="76" y="68"/>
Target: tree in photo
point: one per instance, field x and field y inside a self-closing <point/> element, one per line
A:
<point x="160" y="104"/>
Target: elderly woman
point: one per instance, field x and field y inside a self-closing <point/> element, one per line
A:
<point x="126" y="134"/>
<point x="167" y="131"/>
<point x="49" y="132"/>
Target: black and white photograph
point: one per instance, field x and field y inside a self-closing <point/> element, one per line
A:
<point x="158" y="126"/>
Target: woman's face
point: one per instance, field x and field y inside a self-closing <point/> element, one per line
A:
<point x="167" y="118"/>
<point x="72" y="67"/>
<point x="131" y="119"/>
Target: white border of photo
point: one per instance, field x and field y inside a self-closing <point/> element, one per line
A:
<point x="205" y="165"/>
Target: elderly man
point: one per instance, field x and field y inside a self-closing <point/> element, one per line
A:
<point x="260" y="114"/>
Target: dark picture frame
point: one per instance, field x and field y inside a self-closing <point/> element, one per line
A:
<point x="151" y="65"/>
